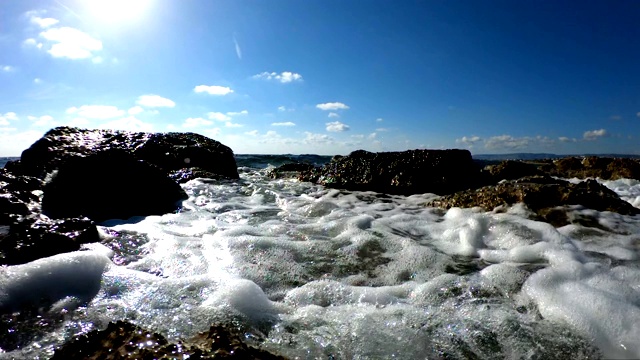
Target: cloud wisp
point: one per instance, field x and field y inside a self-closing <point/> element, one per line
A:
<point x="152" y="100"/>
<point x="332" y="106"/>
<point x="284" y="77"/>
<point x="592" y="135"/>
<point x="213" y="90"/>
<point x="336" y="126"/>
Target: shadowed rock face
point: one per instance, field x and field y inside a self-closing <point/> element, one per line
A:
<point x="110" y="184"/>
<point x="541" y="194"/>
<point x="100" y="175"/>
<point x="123" y="340"/>
<point x="167" y="151"/>
<point x="406" y="172"/>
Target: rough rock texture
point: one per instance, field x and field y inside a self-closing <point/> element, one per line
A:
<point x="595" y="167"/>
<point x="512" y="170"/>
<point x="541" y="194"/>
<point x="110" y="184"/>
<point x="407" y="172"/>
<point x="123" y="340"/>
<point x="186" y="174"/>
<point x="99" y="174"/>
<point x="168" y="151"/>
<point x="290" y="170"/>
<point x="36" y="236"/>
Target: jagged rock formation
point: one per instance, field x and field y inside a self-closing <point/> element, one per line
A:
<point x="406" y="172"/>
<point x="541" y="194"/>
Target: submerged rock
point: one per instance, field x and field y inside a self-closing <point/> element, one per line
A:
<point x="123" y="340"/>
<point x="111" y="184"/>
<point x="406" y="172"/>
<point x="541" y="194"/>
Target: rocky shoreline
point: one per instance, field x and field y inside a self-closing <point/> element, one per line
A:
<point x="71" y="179"/>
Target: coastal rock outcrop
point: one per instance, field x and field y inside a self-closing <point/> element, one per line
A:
<point x="110" y="184"/>
<point x="71" y="178"/>
<point x="167" y="151"/>
<point x="406" y="172"/>
<point x="123" y="340"/>
<point x="541" y="194"/>
<point x="595" y="167"/>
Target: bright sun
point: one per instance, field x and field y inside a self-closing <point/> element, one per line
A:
<point x="117" y="10"/>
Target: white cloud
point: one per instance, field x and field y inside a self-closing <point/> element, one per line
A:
<point x="218" y="116"/>
<point x="332" y="106"/>
<point x="213" y="89"/>
<point x="594" y="134"/>
<point x="333" y="115"/>
<point x="237" y="113"/>
<point x="37" y="81"/>
<point x="311" y="138"/>
<point x="12" y="143"/>
<point x="252" y="133"/>
<point x="71" y="43"/>
<point x="337" y="126"/>
<point x="44" y="22"/>
<point x="196" y="122"/>
<point x="96" y="111"/>
<point x="638" y="114"/>
<point x="97" y="60"/>
<point x="135" y="110"/>
<point x="379" y="119"/>
<point x="232" y="125"/>
<point x="372" y="136"/>
<point x="288" y="123"/>
<point x="566" y="139"/>
<point x="129" y="123"/>
<point x="155" y="101"/>
<point x="284" y="77"/>
<point x="42" y="121"/>
<point x="213" y="132"/>
<point x="507" y="142"/>
<point x="33" y="42"/>
<point x="382" y="129"/>
<point x="8" y="68"/>
<point x="282" y="108"/>
<point x="11" y="116"/>
<point x="468" y="140"/>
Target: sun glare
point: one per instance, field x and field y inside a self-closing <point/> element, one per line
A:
<point x="117" y="10"/>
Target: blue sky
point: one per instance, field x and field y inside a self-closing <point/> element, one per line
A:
<point x="330" y="76"/>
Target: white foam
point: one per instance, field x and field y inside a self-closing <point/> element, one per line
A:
<point x="353" y="275"/>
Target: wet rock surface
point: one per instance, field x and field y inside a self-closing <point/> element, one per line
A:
<point x="123" y="340"/>
<point x="595" y="167"/>
<point x="405" y="173"/>
<point x="167" y="151"/>
<point x="111" y="184"/>
<point x="291" y="170"/>
<point x="541" y="194"/>
<point x="71" y="178"/>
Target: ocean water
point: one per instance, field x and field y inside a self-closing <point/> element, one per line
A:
<point x="316" y="273"/>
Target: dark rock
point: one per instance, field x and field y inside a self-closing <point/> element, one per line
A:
<point x="290" y="170"/>
<point x="110" y="184"/>
<point x="187" y="174"/>
<point x="541" y="194"/>
<point x="36" y="236"/>
<point x="512" y="170"/>
<point x="123" y="340"/>
<point x="596" y="167"/>
<point x="168" y="151"/>
<point x="407" y="172"/>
